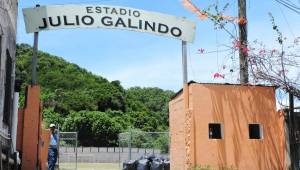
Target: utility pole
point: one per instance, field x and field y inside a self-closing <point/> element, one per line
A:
<point x="243" y="51"/>
<point x="292" y="129"/>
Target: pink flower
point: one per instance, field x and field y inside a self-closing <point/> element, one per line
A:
<point x="273" y="51"/>
<point x="218" y="75"/>
<point x="245" y="50"/>
<point x="262" y="52"/>
<point x="237" y="44"/>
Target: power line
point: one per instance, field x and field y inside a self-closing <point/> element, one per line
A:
<point x="289" y="6"/>
<point x="285" y="18"/>
<point x="292" y="2"/>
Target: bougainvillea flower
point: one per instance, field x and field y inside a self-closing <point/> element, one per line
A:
<point x="203" y="15"/>
<point x="229" y="18"/>
<point x="190" y="6"/>
<point x="245" y="50"/>
<point x="273" y="51"/>
<point x="237" y="44"/>
<point x="218" y="75"/>
<point x="262" y="52"/>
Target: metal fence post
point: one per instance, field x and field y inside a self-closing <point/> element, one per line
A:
<point x="119" y="156"/>
<point x="34" y="59"/>
<point x="129" y="143"/>
<point x="58" y="134"/>
<point x="70" y="141"/>
<point x="184" y="62"/>
<point x="147" y="142"/>
<point x="76" y="143"/>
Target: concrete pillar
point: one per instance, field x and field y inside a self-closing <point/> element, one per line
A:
<point x="31" y="129"/>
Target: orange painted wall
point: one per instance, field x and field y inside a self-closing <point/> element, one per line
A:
<point x="177" y="129"/>
<point x="45" y="140"/>
<point x="20" y="130"/>
<point x="31" y="127"/>
<point x="32" y="138"/>
<point x="234" y="107"/>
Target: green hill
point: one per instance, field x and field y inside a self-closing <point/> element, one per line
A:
<point x="89" y="104"/>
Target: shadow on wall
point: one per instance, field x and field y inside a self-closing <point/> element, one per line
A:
<point x="236" y="107"/>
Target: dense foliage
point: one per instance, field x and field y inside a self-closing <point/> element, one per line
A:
<point x="97" y="109"/>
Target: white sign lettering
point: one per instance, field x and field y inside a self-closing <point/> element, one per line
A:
<point x="112" y="17"/>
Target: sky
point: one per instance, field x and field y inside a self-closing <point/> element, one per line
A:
<point x="146" y="60"/>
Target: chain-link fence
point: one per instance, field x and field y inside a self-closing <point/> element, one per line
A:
<point x="135" y="144"/>
<point x="67" y="159"/>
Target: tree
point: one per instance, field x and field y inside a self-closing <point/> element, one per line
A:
<point x="89" y="104"/>
<point x="50" y="116"/>
<point x="154" y="99"/>
<point x="275" y="66"/>
<point x="94" y="128"/>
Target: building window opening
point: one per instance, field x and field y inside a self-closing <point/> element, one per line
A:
<point x="8" y="89"/>
<point x="255" y="131"/>
<point x="215" y="131"/>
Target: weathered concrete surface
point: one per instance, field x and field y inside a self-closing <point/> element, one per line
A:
<point x="8" y="24"/>
<point x="235" y="107"/>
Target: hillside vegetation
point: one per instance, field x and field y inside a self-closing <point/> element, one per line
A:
<point x="96" y="108"/>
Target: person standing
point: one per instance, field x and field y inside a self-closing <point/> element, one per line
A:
<point x="53" y="148"/>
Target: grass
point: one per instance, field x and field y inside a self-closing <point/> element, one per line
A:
<point x="90" y="166"/>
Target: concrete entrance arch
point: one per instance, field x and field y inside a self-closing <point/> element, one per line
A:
<point x="44" y="18"/>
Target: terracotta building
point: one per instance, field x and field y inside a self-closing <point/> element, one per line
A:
<point x="231" y="126"/>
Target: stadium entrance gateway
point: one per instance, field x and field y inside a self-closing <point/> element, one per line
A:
<point x="43" y="18"/>
<point x="84" y="16"/>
